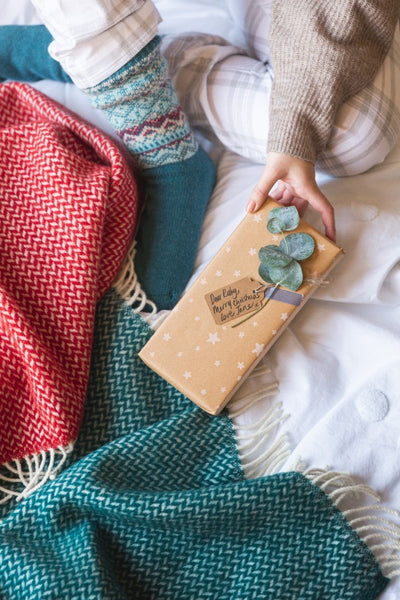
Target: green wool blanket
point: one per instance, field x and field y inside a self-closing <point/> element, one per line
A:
<point x="153" y="504"/>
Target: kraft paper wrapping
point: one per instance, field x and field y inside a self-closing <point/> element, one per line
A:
<point x="200" y="348"/>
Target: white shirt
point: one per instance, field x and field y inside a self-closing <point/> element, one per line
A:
<point x="94" y="38"/>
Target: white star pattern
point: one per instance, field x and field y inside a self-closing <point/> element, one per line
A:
<point x="175" y="309"/>
<point x="284" y="316"/>
<point x="241" y="334"/>
<point x="240" y="366"/>
<point x="273" y="331"/>
<point x="152" y="354"/>
<point x="275" y="238"/>
<point x="203" y="392"/>
<point x="321" y="247"/>
<point x="191" y="300"/>
<point x="197" y="318"/>
<point x="197" y="348"/>
<point x="218" y="273"/>
<point x="239" y="378"/>
<point x="203" y="281"/>
<point x="258" y="349"/>
<point x="255" y="324"/>
<point x="237" y="274"/>
<point x="257" y="218"/>
<point x="213" y="338"/>
<point x="228" y="249"/>
<point x="187" y="374"/>
<point x="223" y="390"/>
<point x="252" y="251"/>
<point x="166" y="337"/>
<point x="180" y="354"/>
<point x="217" y="363"/>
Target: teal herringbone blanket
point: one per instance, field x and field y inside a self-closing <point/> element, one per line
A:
<point x="154" y="504"/>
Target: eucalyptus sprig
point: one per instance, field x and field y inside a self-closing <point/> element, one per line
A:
<point x="280" y="265"/>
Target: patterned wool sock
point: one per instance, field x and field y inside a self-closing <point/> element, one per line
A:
<point x="141" y="105"/>
<point x="24" y="55"/>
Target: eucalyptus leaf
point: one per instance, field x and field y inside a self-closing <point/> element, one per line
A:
<point x="299" y="245"/>
<point x="275" y="225"/>
<point x="288" y="215"/>
<point x="273" y="256"/>
<point x="278" y="274"/>
<point x="264" y="273"/>
<point x="290" y="276"/>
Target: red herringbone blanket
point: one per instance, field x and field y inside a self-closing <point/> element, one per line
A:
<point x="68" y="210"/>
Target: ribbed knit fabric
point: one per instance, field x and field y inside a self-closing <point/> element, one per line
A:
<point x="141" y="105"/>
<point x="322" y="53"/>
<point x="24" y="55"/>
<point x="154" y="504"/>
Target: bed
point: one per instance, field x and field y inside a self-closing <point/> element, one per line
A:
<point x="337" y="365"/>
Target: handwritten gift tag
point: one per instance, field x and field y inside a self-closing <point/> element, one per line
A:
<point x="235" y="300"/>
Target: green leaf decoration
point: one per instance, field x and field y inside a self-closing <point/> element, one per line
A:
<point x="290" y="276"/>
<point x="288" y="215"/>
<point x="279" y="264"/>
<point x="275" y="225"/>
<point x="299" y="245"/>
<point x="273" y="256"/>
<point x="264" y="273"/>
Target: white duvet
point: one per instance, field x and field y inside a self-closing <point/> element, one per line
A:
<point x="338" y="364"/>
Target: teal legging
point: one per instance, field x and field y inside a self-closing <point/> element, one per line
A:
<point x="24" y="54"/>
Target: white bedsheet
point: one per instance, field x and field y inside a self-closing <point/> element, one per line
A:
<point x="338" y="364"/>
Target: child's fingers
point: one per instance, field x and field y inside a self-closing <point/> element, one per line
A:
<point x="261" y="190"/>
<point x="278" y="190"/>
<point x="300" y="204"/>
<point x="300" y="187"/>
<point x="287" y="196"/>
<point x="322" y="205"/>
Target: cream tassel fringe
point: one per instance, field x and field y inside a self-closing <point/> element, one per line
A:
<point x="380" y="534"/>
<point x="258" y="452"/>
<point x="21" y="477"/>
<point x="129" y="288"/>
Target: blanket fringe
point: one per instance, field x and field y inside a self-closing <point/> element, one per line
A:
<point x="371" y="522"/>
<point x="129" y="288"/>
<point x="259" y="454"/>
<point x="31" y="473"/>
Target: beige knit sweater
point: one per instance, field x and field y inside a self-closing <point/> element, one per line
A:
<point x="322" y="53"/>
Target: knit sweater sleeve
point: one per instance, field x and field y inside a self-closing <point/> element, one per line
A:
<point x="322" y="53"/>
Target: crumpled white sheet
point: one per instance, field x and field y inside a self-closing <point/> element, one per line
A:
<point x="338" y="363"/>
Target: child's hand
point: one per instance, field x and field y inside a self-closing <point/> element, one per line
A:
<point x="296" y="187"/>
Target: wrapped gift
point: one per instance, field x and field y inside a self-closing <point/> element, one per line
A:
<point x="238" y="307"/>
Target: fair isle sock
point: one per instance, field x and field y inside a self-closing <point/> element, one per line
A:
<point x="24" y="55"/>
<point x="141" y="105"/>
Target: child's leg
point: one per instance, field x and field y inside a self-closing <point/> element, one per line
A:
<point x="141" y="105"/>
<point x="24" y="55"/>
<point x="253" y="17"/>
<point x="225" y="91"/>
<point x="226" y="94"/>
<point x="112" y="53"/>
<point x="368" y="125"/>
